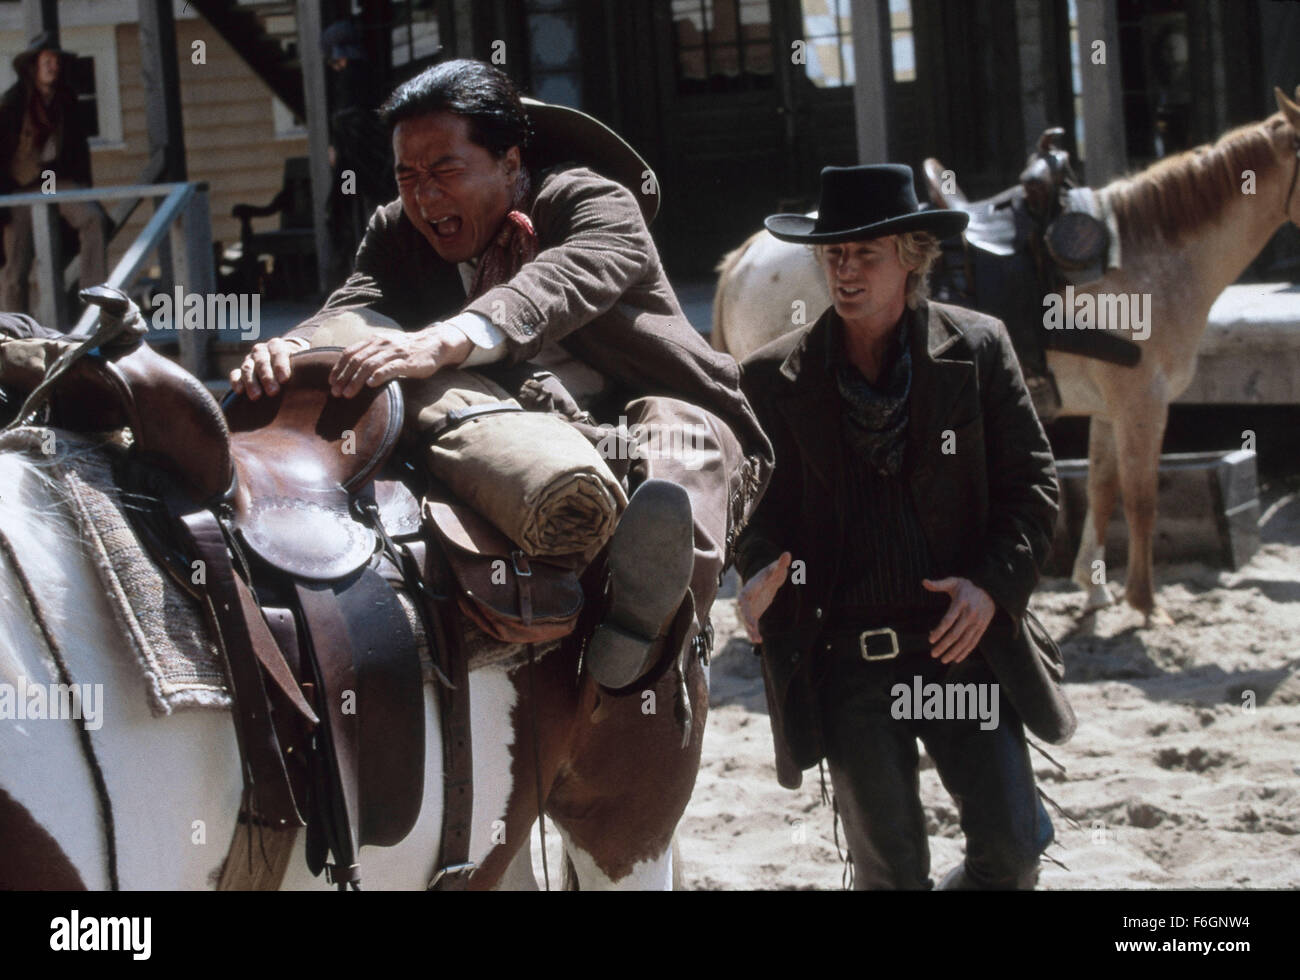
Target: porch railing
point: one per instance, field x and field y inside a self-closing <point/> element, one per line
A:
<point x="181" y="226"/>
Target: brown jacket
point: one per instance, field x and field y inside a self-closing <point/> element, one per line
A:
<point x="987" y="508"/>
<point x="596" y="287"/>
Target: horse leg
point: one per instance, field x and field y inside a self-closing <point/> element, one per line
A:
<point x="1103" y="487"/>
<point x="619" y="801"/>
<point x="541" y="697"/>
<point x="1138" y="439"/>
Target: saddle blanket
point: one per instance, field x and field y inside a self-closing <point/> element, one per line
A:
<point x="163" y="625"/>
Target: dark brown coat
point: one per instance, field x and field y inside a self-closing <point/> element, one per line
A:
<point x="987" y="508"/>
<point x="597" y="287"/>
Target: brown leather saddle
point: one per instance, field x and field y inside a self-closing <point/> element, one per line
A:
<point x="277" y="516"/>
<point x="1020" y="245"/>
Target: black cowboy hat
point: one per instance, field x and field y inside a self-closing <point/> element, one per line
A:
<point x="864" y="202"/>
<point x="564" y="135"/>
<point x="44" y="41"/>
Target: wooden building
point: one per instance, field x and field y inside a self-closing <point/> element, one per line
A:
<point x="736" y="103"/>
<point x="739" y="103"/>
<point x="237" y="135"/>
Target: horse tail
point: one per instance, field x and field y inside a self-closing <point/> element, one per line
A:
<point x="725" y="269"/>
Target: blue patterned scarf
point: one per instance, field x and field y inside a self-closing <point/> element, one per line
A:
<point x="875" y="417"/>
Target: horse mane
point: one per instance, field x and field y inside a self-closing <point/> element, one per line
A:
<point x="1179" y="195"/>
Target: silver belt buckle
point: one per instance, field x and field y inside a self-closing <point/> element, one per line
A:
<point x="893" y="642"/>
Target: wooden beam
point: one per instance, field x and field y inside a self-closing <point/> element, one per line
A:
<point x="873" y="66"/>
<point x="41" y="16"/>
<point x="161" y="78"/>
<point x="318" y="136"/>
<point x="152" y="235"/>
<point x="52" y="307"/>
<point x="191" y="241"/>
<point x="1104" y="153"/>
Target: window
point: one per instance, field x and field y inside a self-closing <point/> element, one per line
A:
<point x="723" y="45"/>
<point x="901" y="42"/>
<point x="1076" y="80"/>
<point x="415" y="33"/>
<point x="554" y="56"/>
<point x="83" y="83"/>
<point x="828" y="32"/>
<point x="287" y="125"/>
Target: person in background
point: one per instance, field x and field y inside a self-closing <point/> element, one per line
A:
<point x="41" y="131"/>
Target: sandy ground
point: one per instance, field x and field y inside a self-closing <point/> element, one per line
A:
<point x="1173" y="780"/>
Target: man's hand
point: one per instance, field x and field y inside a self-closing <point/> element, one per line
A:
<point x="757" y="594"/>
<point x="383" y="357"/>
<point x="266" y="367"/>
<point x="969" y="613"/>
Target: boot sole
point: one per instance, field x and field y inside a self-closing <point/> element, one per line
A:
<point x="651" y="558"/>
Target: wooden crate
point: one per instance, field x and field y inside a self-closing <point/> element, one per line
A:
<point x="1207" y="511"/>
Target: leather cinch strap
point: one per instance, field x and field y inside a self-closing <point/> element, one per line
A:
<point x="332" y="659"/>
<point x="247" y="645"/>
<point x="442" y="616"/>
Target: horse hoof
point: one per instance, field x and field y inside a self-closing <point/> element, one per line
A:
<point x="1099" y="597"/>
<point x="1156" y="618"/>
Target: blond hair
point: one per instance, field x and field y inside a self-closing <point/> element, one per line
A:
<point x="918" y="249"/>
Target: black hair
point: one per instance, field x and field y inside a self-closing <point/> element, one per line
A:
<point x="481" y="93"/>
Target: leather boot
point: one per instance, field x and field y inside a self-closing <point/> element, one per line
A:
<point x="958" y="880"/>
<point x="651" y="557"/>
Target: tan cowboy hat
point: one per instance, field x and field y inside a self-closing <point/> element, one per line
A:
<point x="564" y="135"/>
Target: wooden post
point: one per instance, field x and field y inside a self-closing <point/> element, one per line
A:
<point x="318" y="135"/>
<point x="41" y="16"/>
<point x="161" y="78"/>
<point x="52" y="306"/>
<point x="1034" y="80"/>
<point x="191" y="243"/>
<point x="463" y="19"/>
<point x="1104" y="154"/>
<point x="873" y="65"/>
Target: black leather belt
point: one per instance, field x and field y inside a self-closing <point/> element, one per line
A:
<point x="877" y="643"/>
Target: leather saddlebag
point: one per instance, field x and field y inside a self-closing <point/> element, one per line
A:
<point x="510" y="596"/>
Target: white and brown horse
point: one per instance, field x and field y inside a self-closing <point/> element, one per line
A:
<point x="163" y="792"/>
<point x="1189" y="226"/>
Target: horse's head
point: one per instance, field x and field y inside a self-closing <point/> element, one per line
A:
<point x="1286" y="136"/>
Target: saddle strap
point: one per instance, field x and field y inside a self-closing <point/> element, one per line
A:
<point x="239" y="634"/>
<point x="442" y="617"/>
<point x="459" y="415"/>
<point x="336" y="679"/>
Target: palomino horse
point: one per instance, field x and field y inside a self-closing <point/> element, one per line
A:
<point x="163" y="793"/>
<point x="1189" y="226"/>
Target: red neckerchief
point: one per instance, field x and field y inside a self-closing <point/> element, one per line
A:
<point x="515" y="243"/>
